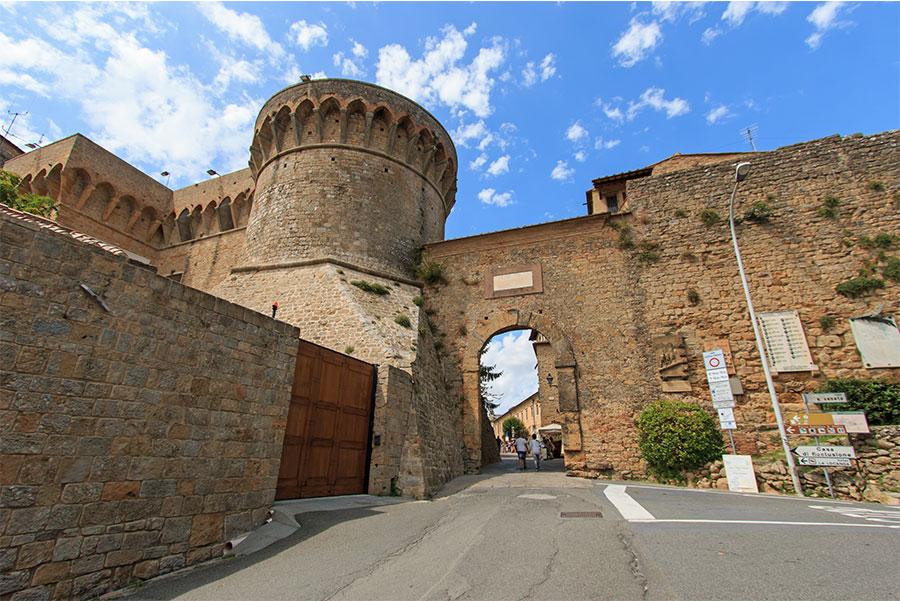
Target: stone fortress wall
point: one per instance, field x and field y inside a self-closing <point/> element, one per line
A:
<point x="615" y="285"/>
<point x="138" y="432"/>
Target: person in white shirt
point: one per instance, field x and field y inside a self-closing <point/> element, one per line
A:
<point x="521" y="451"/>
<point x="535" y="447"/>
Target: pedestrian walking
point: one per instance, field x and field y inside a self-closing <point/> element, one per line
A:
<point x="535" y="445"/>
<point x="522" y="451"/>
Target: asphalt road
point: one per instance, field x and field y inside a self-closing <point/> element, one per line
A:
<point x="503" y="536"/>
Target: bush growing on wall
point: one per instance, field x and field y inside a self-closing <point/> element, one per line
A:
<point x="880" y="399"/>
<point x="676" y="436"/>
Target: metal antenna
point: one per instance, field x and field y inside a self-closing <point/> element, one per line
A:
<point x="15" y="116"/>
<point x="747" y="134"/>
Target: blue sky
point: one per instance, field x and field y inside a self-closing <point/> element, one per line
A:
<point x="539" y="97"/>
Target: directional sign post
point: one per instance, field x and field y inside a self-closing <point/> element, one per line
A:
<point x="720" y="390"/>
<point x="824" y="398"/>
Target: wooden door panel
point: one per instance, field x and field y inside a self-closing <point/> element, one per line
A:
<point x="326" y="442"/>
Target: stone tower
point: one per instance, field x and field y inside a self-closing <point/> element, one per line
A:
<point x="350" y="172"/>
<point x="351" y="180"/>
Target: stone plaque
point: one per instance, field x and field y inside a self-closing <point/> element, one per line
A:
<point x="878" y="341"/>
<point x="672" y="363"/>
<point x="513" y="280"/>
<point x="510" y="281"/>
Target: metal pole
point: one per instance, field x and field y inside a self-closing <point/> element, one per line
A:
<point x="824" y="469"/>
<point x="731" y="438"/>
<point x="776" y="408"/>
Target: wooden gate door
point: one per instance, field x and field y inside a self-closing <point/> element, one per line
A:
<point x="326" y="441"/>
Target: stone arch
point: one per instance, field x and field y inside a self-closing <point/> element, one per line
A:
<point x="143" y="220"/>
<point x="266" y="139"/>
<point x="75" y="184"/>
<point x="54" y="181"/>
<point x="405" y="131"/>
<point x="283" y="125"/>
<point x="226" y="220"/>
<point x="356" y="123"/>
<point x="98" y="200"/>
<point x="423" y="154"/>
<point x="170" y="229"/>
<point x="185" y="226"/>
<point x="157" y="237"/>
<point x="25" y="184"/>
<point x="448" y="179"/>
<point x="209" y="222"/>
<point x="197" y="221"/>
<point x="306" y="117"/>
<point x="481" y="328"/>
<point x="39" y="183"/>
<point x="330" y="114"/>
<point x="118" y="213"/>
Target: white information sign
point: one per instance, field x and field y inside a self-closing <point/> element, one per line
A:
<point x="739" y="471"/>
<point x="824" y="461"/>
<point x="825" y="451"/>
<point x="854" y="421"/>
<point x="823" y="398"/>
<point x="726" y="419"/>
<point x="718" y="379"/>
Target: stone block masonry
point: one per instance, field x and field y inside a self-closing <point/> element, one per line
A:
<point x="133" y="441"/>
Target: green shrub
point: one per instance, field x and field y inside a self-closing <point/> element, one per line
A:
<point x="403" y="320"/>
<point x="884" y="240"/>
<point x="859" y="286"/>
<point x="680" y="213"/>
<point x="693" y="296"/>
<point x="829" y="208"/>
<point x="675" y="436"/>
<point x="759" y="212"/>
<point x="11" y="196"/>
<point x="648" y="253"/>
<point x="891" y="269"/>
<point x="626" y="242"/>
<point x="709" y="217"/>
<point x="418" y="300"/>
<point x="880" y="399"/>
<point x="827" y="322"/>
<point x="349" y="350"/>
<point x="370" y="287"/>
<point x="430" y="272"/>
<point x="512" y="426"/>
<point x="875" y="186"/>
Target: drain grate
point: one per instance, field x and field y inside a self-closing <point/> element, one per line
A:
<point x="580" y="514"/>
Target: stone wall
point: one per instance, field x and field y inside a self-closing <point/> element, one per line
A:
<point x="134" y="440"/>
<point x="875" y="475"/>
<point x="203" y="263"/>
<point x="613" y="285"/>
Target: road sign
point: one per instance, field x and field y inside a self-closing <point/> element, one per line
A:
<point x="854" y="421"/>
<point x="811" y="419"/>
<point x="825" y="461"/>
<point x="714" y="359"/>
<point x="797" y="430"/>
<point x="824" y="398"/>
<point x="726" y="419"/>
<point x="739" y="472"/>
<point x="825" y="451"/>
<point x="717" y="377"/>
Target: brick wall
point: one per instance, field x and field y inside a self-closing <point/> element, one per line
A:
<point x="132" y="442"/>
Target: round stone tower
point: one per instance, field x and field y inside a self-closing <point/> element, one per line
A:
<point x="349" y="172"/>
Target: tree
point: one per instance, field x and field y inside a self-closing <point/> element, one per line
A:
<point x="12" y="196"/>
<point x="512" y="426"/>
<point x="487" y="374"/>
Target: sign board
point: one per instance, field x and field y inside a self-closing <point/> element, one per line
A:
<point x="726" y="419"/>
<point x="823" y="398"/>
<point x="796" y="430"/>
<point x="717" y="377"/>
<point x="878" y="341"/>
<point x="824" y="461"/>
<point x="714" y="360"/>
<point x="854" y="421"/>
<point x="739" y="471"/>
<point x="825" y="451"/>
<point x="811" y="419"/>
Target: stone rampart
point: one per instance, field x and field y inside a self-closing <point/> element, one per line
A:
<point x="139" y="429"/>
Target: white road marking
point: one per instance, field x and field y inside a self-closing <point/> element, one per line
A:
<point x="871" y="515"/>
<point x="764" y="522"/>
<point x="538" y="497"/>
<point x="630" y="509"/>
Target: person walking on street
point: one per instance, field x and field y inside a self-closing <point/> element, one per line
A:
<point x="522" y="451"/>
<point x="535" y="445"/>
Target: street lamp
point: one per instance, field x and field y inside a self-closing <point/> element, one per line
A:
<point x="740" y="174"/>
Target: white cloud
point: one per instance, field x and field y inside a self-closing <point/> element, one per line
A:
<point x="513" y="355"/>
<point x="534" y="72"/>
<point x="637" y="42"/>
<point x="710" y="34"/>
<point x="562" y="172"/>
<point x="548" y="67"/>
<point x="440" y="76"/>
<point x="348" y="66"/>
<point x="499" y="167"/>
<point x="717" y="114"/>
<point x="244" y="27"/>
<point x="580" y="156"/>
<point x="824" y="18"/>
<point x="610" y="110"/>
<point x="478" y="162"/>
<point x="601" y="144"/>
<point x="306" y="35"/>
<point x="466" y="133"/>
<point x="735" y="14"/>
<point x="655" y="98"/>
<point x="489" y="196"/>
<point x="672" y="11"/>
<point x="358" y="50"/>
<point x="576" y="132"/>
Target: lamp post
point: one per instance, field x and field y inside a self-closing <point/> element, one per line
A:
<point x="740" y="173"/>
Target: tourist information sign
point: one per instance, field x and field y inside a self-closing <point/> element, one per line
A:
<point x="807" y="430"/>
<point x="717" y="378"/>
<point x="824" y="461"/>
<point x="726" y="418"/>
<point x="824" y="398"/>
<point x="854" y="421"/>
<point x="825" y="451"/>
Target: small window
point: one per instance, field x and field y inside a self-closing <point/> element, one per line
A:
<point x="785" y="342"/>
<point x="612" y="203"/>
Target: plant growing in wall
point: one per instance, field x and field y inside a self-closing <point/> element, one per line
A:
<point x="370" y="287"/>
<point x="875" y="186"/>
<point x="880" y="399"/>
<point x="11" y="196"/>
<point x="709" y="217"/>
<point x="759" y="212"/>
<point x="681" y="213"/>
<point x="675" y="436"/>
<point x="829" y="208"/>
<point x="891" y="269"/>
<point x="430" y="272"/>
<point x="648" y="253"/>
<point x="418" y="300"/>
<point x="859" y="286"/>
<point x="349" y="350"/>
<point x="693" y="296"/>
<point x="625" y="242"/>
<point x="403" y="321"/>
<point x="826" y="322"/>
